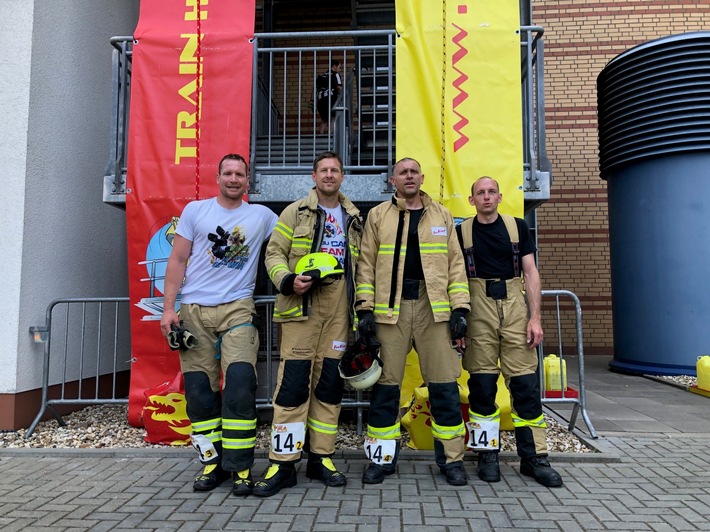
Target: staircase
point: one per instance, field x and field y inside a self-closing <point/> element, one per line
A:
<point x="291" y="150"/>
<point x="376" y="83"/>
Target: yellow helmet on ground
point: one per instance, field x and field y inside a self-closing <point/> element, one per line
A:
<point x="325" y="264"/>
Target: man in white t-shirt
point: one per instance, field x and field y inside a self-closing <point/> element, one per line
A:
<point x="316" y="320"/>
<point x="216" y="251"/>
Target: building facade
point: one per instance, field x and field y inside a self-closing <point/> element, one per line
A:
<point x="60" y="239"/>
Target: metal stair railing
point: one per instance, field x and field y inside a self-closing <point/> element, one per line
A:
<point x="115" y="173"/>
<point x="288" y="70"/>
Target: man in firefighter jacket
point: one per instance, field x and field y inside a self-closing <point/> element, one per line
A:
<point x="412" y="291"/>
<point x="504" y="330"/>
<point x="216" y="251"/>
<point x="315" y="310"/>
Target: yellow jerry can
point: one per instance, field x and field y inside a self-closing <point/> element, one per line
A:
<point x="703" y="368"/>
<point x="555" y="373"/>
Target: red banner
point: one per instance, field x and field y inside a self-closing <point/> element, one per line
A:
<point x="190" y="105"/>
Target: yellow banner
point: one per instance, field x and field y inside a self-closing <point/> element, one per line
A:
<point x="459" y="78"/>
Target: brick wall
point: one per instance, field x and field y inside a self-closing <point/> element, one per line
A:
<point x="580" y="39"/>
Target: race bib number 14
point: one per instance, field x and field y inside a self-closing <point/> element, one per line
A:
<point x="379" y="451"/>
<point x="287" y="438"/>
<point x="483" y="435"/>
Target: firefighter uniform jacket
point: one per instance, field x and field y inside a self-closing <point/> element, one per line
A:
<point x="380" y="272"/>
<point x="299" y="231"/>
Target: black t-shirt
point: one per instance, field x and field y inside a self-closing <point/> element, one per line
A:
<point x="493" y="252"/>
<point x="412" y="260"/>
<point x="328" y="88"/>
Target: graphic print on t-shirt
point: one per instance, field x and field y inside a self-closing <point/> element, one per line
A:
<point x="333" y="238"/>
<point x="228" y="249"/>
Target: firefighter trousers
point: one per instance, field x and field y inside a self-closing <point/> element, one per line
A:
<point x="496" y="341"/>
<point x="440" y="367"/>
<point x="223" y="420"/>
<point x="309" y="388"/>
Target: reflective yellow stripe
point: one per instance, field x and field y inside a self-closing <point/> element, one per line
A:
<point x="284" y="229"/>
<point x="239" y="424"/>
<point x="323" y="428"/>
<point x="294" y="312"/>
<point x="384" y="433"/>
<point x="238" y="443"/>
<point x="447" y="433"/>
<point x="382" y="308"/>
<point x="478" y="418"/>
<point x="208" y="424"/>
<point x="276" y="269"/>
<point x="457" y="287"/>
<point x="302" y="243"/>
<point x="388" y="249"/>
<point x="215" y="436"/>
<point x="433" y="248"/>
<point x="439" y="306"/>
<point x="537" y="423"/>
<point x="365" y="288"/>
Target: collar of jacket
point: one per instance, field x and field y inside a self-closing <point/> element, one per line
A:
<point x="401" y="204"/>
<point x="349" y="206"/>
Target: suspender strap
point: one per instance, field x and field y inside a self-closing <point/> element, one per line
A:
<point x="512" y="228"/>
<point x="467" y="238"/>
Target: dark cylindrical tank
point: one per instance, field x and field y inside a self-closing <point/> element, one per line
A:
<point x="654" y="152"/>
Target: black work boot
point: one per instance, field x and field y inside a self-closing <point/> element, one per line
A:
<point x="488" y="467"/>
<point x="323" y="469"/>
<point x="278" y="476"/>
<point x="243" y="483"/>
<point x="211" y="477"/>
<point x="538" y="467"/>
<point x="455" y="473"/>
<point x="375" y="474"/>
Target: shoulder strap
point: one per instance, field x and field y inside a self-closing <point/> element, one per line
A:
<point x="512" y="227"/>
<point x="467" y="232"/>
<point x="467" y="241"/>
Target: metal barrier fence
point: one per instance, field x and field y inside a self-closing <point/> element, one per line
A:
<point x="579" y="400"/>
<point x="102" y="323"/>
<point x="92" y="335"/>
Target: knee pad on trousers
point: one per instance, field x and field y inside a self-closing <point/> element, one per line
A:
<point x="384" y="405"/>
<point x="482" y="389"/>
<point x="525" y="392"/>
<point x="445" y="403"/>
<point x="295" y="383"/>
<point x="240" y="390"/>
<point x="330" y="385"/>
<point x="202" y="402"/>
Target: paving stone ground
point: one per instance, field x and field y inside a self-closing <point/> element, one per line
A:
<point x="649" y="480"/>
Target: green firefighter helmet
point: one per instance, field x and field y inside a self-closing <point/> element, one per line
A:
<point x="325" y="264"/>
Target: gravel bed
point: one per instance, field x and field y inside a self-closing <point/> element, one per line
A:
<point x="683" y="380"/>
<point x="105" y="426"/>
